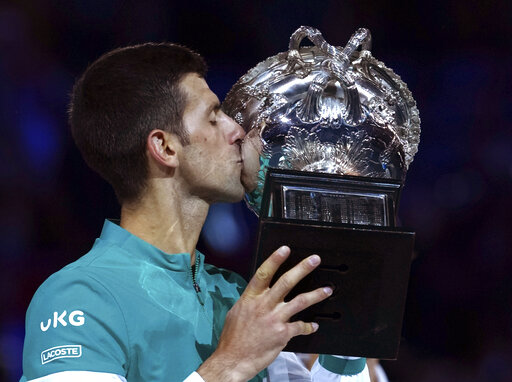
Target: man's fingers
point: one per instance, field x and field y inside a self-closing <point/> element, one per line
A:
<point x="261" y="279"/>
<point x="301" y="328"/>
<point x="288" y="280"/>
<point x="305" y="300"/>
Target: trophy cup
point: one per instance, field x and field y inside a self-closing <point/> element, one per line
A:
<point x="330" y="134"/>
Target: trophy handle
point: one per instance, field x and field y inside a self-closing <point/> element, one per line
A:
<point x="361" y="37"/>
<point x="336" y="66"/>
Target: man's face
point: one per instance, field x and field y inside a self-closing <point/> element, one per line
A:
<point x="211" y="163"/>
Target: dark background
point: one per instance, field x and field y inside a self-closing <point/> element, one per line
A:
<point x="455" y="56"/>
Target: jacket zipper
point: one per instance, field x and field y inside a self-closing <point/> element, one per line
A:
<point x="193" y="274"/>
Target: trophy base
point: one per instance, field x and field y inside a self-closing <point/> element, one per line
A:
<point x="368" y="269"/>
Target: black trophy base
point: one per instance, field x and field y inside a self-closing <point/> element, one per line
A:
<point x="368" y="268"/>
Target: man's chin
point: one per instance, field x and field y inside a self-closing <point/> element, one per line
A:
<point x="235" y="196"/>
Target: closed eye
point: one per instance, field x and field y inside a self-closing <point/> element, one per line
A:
<point x="213" y="111"/>
<point x="213" y="116"/>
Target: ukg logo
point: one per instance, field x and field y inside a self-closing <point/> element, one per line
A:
<point x="64" y="351"/>
<point x="75" y="318"/>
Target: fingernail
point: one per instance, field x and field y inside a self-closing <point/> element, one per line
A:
<point x="328" y="291"/>
<point x="315" y="326"/>
<point x="284" y="250"/>
<point x="314" y="260"/>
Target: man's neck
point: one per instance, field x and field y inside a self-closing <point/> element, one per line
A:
<point x="166" y="221"/>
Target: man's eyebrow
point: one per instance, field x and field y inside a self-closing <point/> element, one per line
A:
<point x="214" y="106"/>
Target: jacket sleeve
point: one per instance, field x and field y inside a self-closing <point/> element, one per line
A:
<point x="74" y="324"/>
<point x="288" y="367"/>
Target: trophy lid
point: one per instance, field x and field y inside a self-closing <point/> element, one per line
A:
<point x="326" y="109"/>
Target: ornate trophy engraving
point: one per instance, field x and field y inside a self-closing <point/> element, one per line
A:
<point x="331" y="132"/>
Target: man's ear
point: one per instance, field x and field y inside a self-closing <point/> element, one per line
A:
<point x="163" y="147"/>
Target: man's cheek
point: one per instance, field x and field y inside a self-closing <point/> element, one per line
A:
<point x="251" y="165"/>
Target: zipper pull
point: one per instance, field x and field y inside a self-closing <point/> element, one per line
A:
<point x="198" y="293"/>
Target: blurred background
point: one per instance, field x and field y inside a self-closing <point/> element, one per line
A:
<point x="455" y="56"/>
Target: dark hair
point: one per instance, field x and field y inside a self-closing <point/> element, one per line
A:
<point x="119" y="99"/>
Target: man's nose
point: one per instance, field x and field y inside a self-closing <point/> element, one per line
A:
<point x="236" y="133"/>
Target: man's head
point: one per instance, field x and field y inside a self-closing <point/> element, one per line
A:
<point x="120" y="99"/>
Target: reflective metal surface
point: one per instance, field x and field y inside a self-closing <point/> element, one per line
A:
<point x="326" y="109"/>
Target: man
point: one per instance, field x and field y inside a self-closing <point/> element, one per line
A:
<point x="142" y="305"/>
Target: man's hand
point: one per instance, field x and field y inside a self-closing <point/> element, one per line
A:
<point x="257" y="328"/>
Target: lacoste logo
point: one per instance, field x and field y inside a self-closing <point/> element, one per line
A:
<point x="64" y="351"/>
<point x="75" y="318"/>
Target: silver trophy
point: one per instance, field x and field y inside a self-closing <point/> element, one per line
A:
<point x="330" y="134"/>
